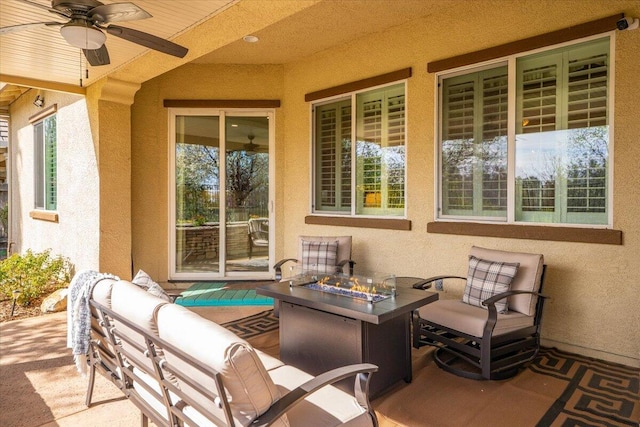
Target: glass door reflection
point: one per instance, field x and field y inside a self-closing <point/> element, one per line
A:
<point x="247" y="193"/>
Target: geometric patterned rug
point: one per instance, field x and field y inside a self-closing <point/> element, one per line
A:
<point x="597" y="394"/>
<point x="251" y="326"/>
<point x="590" y="392"/>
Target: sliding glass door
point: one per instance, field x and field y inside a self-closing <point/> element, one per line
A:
<point x="220" y="198"/>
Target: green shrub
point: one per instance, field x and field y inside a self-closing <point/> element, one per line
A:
<point x="33" y="274"/>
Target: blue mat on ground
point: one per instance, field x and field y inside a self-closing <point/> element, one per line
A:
<point x="207" y="294"/>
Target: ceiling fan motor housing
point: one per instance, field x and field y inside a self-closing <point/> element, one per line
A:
<point x="75" y="9"/>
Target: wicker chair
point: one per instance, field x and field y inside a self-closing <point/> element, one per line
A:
<point x="495" y="329"/>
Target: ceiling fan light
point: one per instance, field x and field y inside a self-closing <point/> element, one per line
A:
<point x="83" y="36"/>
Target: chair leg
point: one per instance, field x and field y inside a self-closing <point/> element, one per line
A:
<point x="485" y="359"/>
<point x="144" y="421"/>
<point x="92" y="378"/>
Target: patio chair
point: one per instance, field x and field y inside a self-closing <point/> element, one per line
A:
<point x="326" y="254"/>
<point x="495" y="329"/>
<point x="258" y="229"/>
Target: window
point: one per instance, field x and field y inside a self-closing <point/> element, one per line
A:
<point x="551" y="158"/>
<point x="45" y="163"/>
<point x="366" y="178"/>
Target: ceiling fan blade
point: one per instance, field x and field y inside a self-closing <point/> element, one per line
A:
<point x="21" y="27"/>
<point x="117" y="12"/>
<point x="97" y="57"/>
<point x="47" y="8"/>
<point x="148" y="40"/>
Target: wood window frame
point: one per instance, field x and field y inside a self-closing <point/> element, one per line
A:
<point x="575" y="32"/>
<point x="50" y="216"/>
<point x="370" y="82"/>
<point x="533" y="232"/>
<point x="349" y="221"/>
<point x="530" y="232"/>
<point x="221" y="103"/>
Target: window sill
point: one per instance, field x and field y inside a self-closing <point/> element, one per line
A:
<point x="532" y="232"/>
<point x="44" y="215"/>
<point x="380" y="223"/>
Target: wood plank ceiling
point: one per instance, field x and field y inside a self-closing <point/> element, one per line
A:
<point x="288" y="31"/>
<point x="41" y="53"/>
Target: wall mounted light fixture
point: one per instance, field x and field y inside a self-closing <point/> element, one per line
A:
<point x="39" y="101"/>
<point x="628" y="24"/>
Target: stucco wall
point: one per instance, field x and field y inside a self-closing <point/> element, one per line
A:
<point x="76" y="233"/>
<point x="595" y="289"/>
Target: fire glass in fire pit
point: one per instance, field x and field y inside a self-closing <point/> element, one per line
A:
<point x="369" y="287"/>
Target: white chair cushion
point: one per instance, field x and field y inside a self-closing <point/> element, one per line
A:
<point x="156" y="404"/>
<point x="527" y="278"/>
<point x="140" y="307"/>
<point x="268" y="361"/>
<point x="101" y="292"/>
<point x="201" y="421"/>
<point x="471" y="320"/>
<point x="327" y="407"/>
<point x="248" y="385"/>
<point x="136" y="305"/>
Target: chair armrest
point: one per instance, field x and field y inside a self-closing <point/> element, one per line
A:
<point x="426" y="283"/>
<point x="362" y="372"/>
<point x="490" y="303"/>
<point x="278" y="267"/>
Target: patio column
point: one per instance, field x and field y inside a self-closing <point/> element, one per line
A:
<point x="110" y="106"/>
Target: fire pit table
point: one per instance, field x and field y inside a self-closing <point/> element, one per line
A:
<point x="328" y="321"/>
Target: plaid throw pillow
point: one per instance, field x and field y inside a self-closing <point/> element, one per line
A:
<point x="486" y="279"/>
<point x="319" y="256"/>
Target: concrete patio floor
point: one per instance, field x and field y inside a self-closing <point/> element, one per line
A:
<point x="39" y="383"/>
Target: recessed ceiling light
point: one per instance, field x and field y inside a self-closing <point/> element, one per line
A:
<point x="250" y="39"/>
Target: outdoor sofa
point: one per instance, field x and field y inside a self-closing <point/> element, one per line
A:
<point x="181" y="369"/>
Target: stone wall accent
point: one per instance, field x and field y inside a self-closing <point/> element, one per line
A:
<point x="201" y="243"/>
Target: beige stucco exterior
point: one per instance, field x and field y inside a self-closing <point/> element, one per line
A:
<point x="594" y="288"/>
<point x="150" y="150"/>
<point x="76" y="235"/>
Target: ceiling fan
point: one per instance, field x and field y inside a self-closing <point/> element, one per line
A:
<point x="251" y="147"/>
<point x="89" y="19"/>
